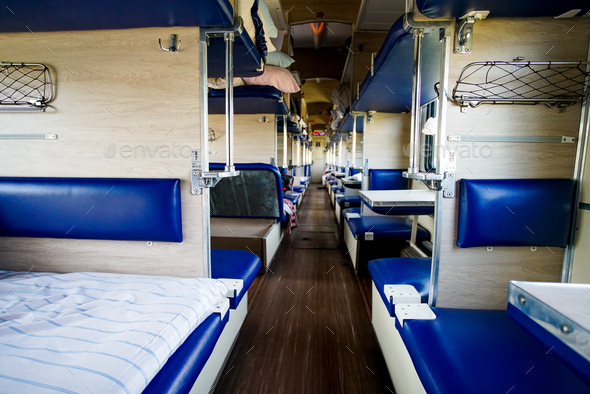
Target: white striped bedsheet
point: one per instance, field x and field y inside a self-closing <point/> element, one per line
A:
<point x="95" y="332"/>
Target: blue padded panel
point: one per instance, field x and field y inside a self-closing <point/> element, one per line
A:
<point x="181" y="370"/>
<point x="354" y="171"/>
<point x="247" y="60"/>
<point x="479" y="351"/>
<point x="235" y="264"/>
<point x="346" y="124"/>
<point x="384" y="227"/>
<point x="91" y="208"/>
<point x="401" y="271"/>
<point x="292" y="127"/>
<point x="514" y="212"/>
<point x="293" y="197"/>
<point x="499" y="8"/>
<point x="242" y="196"/>
<point x="390" y="88"/>
<point x="69" y="15"/>
<point x="404" y="211"/>
<point x="570" y="357"/>
<point x="298" y="189"/>
<point x="387" y="180"/>
<point x="349" y="201"/>
<point x="249" y="100"/>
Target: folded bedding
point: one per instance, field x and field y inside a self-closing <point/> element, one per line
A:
<point x="95" y="332"/>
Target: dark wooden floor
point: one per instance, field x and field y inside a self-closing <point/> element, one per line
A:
<point x="307" y="330"/>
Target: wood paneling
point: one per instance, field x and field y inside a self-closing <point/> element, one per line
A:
<point x="386" y="140"/>
<point x="253" y="140"/>
<point x="473" y="277"/>
<point x="307" y="330"/>
<point x="114" y="88"/>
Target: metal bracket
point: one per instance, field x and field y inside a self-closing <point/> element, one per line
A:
<point x="464" y="30"/>
<point x="370" y="117"/>
<point x="448" y="185"/>
<point x="173" y="47"/>
<point x="201" y="179"/>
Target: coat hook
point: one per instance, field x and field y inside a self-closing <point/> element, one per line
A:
<point x="173" y="47"/>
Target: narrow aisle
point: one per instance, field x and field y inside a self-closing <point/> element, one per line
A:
<point x="308" y="329"/>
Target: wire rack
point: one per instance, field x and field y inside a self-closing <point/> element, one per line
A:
<point x="25" y="84"/>
<point x="522" y="82"/>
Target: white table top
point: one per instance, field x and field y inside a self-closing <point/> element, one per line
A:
<point x="398" y="198"/>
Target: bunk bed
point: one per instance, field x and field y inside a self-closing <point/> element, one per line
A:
<point x="194" y="338"/>
<point x="457" y="342"/>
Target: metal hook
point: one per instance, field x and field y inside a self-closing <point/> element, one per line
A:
<point x="173" y="47"/>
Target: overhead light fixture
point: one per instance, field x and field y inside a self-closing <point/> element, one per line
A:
<point x="317" y="33"/>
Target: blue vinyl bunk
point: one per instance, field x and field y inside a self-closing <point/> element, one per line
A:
<point x="152" y="198"/>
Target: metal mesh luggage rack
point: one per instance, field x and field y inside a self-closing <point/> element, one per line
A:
<point x="25" y="86"/>
<point x="521" y="82"/>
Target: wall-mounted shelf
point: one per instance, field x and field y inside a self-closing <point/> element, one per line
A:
<point x="510" y="138"/>
<point x="521" y="82"/>
<point x="25" y="87"/>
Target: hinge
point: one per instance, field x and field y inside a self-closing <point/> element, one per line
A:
<point x="448" y="185"/>
<point x="200" y="179"/>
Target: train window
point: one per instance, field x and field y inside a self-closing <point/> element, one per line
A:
<point x="427" y="141"/>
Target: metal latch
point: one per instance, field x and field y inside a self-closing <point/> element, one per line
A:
<point x="448" y="185"/>
<point x="200" y="179"/>
<point x="464" y="30"/>
<point x="369" y="236"/>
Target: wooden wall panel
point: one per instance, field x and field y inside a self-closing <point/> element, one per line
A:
<point x="253" y="140"/>
<point x="473" y="277"/>
<point x="386" y="140"/>
<point x="114" y="88"/>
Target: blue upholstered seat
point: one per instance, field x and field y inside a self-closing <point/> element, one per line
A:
<point x="384" y="227"/>
<point x="483" y="351"/>
<point x="235" y="264"/>
<point x="298" y="189"/>
<point x="401" y="271"/>
<point x="293" y="197"/>
<point x="349" y="201"/>
<point x="181" y="370"/>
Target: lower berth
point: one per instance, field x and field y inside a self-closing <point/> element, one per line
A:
<point x="100" y="332"/>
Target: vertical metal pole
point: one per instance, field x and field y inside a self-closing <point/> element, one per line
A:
<point x="276" y="141"/>
<point x="414" y="167"/>
<point x="363" y="141"/>
<point x="285" y="158"/>
<point x="440" y="139"/>
<point x="353" y="141"/>
<point x="204" y="101"/>
<point x="229" y="101"/>
<point x="340" y="153"/>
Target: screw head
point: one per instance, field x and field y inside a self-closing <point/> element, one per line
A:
<point x="565" y="328"/>
<point x="522" y="299"/>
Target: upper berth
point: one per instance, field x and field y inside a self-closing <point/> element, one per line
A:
<point x="253" y="99"/>
<point x="388" y="87"/>
<point x="500" y="8"/>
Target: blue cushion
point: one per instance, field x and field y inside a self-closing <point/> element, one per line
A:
<point x="292" y="127"/>
<point x="354" y="171"/>
<point x="390" y="88"/>
<point x="499" y="8"/>
<point x="346" y="124"/>
<point x="349" y="201"/>
<point x="91" y="208"/>
<point x="351" y="210"/>
<point x="401" y="271"/>
<point x="293" y="197"/>
<point x="404" y="211"/>
<point x="337" y="189"/>
<point x="514" y="212"/>
<point x="247" y="61"/>
<point x="183" y="367"/>
<point x="68" y="15"/>
<point x="298" y="189"/>
<point x="387" y="180"/>
<point x="235" y="264"/>
<point x="384" y="227"/>
<point x="482" y="351"/>
<point x="249" y="100"/>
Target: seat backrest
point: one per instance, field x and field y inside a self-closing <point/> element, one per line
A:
<point x="387" y="180"/>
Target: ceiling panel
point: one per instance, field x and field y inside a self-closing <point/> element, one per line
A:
<point x="379" y="14"/>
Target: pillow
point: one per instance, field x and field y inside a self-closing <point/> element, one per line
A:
<point x="269" y="25"/>
<point x="219" y="83"/>
<point x="276" y="77"/>
<point x="278" y="58"/>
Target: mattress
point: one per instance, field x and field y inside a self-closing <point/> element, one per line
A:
<point x="95" y="332"/>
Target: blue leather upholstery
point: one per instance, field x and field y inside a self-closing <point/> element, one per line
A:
<point x="349" y="201"/>
<point x="404" y="211"/>
<point x="401" y="271"/>
<point x="499" y="8"/>
<point x="91" y="208"/>
<point x="235" y="264"/>
<point x="387" y="180"/>
<point x="384" y="227"/>
<point x="514" y="212"/>
<point x="258" y="205"/>
<point x="298" y="189"/>
<point x="483" y="351"/>
<point x="390" y="88"/>
<point x="293" y="197"/>
<point x="249" y="100"/>
<point x="292" y="127"/>
<point x="346" y="124"/>
<point x="181" y="370"/>
<point x="354" y="171"/>
<point x="70" y="15"/>
<point x="570" y="357"/>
